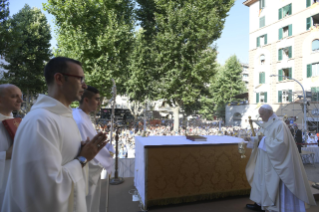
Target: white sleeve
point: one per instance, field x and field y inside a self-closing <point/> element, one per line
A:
<point x="252" y="142"/>
<point x="40" y="179"/>
<point x="2" y="168"/>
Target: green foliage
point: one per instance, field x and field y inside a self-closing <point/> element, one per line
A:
<point x="99" y="34"/>
<point x="4" y="15"/>
<point x="227" y="85"/>
<point x="178" y="35"/>
<point x="26" y="62"/>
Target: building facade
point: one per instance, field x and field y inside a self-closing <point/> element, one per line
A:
<point x="283" y="45"/>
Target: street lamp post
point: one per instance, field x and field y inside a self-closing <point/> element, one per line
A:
<point x="304" y="99"/>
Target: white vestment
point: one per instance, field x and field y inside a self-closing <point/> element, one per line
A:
<point x="5" y="143"/>
<point x="102" y="159"/>
<point x="275" y="171"/>
<point x="44" y="175"/>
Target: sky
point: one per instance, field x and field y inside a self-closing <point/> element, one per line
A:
<point x="233" y="41"/>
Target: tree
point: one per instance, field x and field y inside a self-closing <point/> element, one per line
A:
<point x="26" y="63"/>
<point x="138" y="86"/>
<point x="227" y="85"/>
<point x="136" y="108"/>
<point x="182" y="32"/>
<point x="4" y="15"/>
<point x="97" y="33"/>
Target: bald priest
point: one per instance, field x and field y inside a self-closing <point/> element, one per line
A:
<point x="10" y="99"/>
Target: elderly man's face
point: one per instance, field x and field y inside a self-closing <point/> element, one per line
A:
<point x="264" y="114"/>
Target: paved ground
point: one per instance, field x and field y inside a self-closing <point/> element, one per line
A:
<point x="312" y="172"/>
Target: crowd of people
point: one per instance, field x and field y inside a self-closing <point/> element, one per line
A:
<point x="126" y="140"/>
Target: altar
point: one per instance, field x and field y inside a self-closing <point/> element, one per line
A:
<point x="172" y="169"/>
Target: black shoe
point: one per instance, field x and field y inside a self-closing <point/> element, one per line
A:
<point x="254" y="207"/>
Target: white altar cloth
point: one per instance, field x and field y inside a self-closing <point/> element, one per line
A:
<point x="141" y="142"/>
<point x="314" y="149"/>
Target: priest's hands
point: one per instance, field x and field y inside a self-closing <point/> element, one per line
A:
<point x="90" y="148"/>
<point x="9" y="153"/>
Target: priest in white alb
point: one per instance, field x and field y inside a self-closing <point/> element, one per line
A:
<point x="48" y="156"/>
<point x="275" y="171"/>
<point x="10" y="99"/>
<point x="90" y="102"/>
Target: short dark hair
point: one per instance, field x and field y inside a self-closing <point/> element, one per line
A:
<point x="57" y="65"/>
<point x="89" y="92"/>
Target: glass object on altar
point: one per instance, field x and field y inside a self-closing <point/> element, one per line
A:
<point x="220" y="133"/>
<point x="242" y="149"/>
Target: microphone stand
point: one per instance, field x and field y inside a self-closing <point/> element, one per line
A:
<point x="116" y="180"/>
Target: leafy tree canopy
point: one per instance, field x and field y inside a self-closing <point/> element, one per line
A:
<point x="26" y="63"/>
<point x="99" y="34"/>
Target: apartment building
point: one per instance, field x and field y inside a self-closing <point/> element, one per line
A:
<point x="283" y="45"/>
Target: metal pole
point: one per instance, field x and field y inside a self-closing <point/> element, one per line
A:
<point x="304" y="99"/>
<point x="305" y="104"/>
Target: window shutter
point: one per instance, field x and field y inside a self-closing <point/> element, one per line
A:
<point x="290" y="30"/>
<point x="265" y="97"/>
<point x="263" y="3"/>
<point x="264" y="77"/>
<point x="259" y="4"/>
<point x="279" y="54"/>
<point x="308" y="3"/>
<point x="257" y="97"/>
<point x="313" y="93"/>
<point x="290" y="51"/>
<point x="280" y="33"/>
<point x="290" y="96"/>
<point x="264" y="21"/>
<point x="289" y="9"/>
<point x="290" y="73"/>
<point x="265" y="39"/>
<point x="281" y="74"/>
<point x="280" y="13"/>
<point x="309" y="70"/>
<point x="309" y="23"/>
<point x="258" y="41"/>
<point x="279" y="96"/>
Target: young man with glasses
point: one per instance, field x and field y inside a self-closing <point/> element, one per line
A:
<point x="49" y="160"/>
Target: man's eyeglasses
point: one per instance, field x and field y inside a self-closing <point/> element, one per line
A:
<point x="79" y="77"/>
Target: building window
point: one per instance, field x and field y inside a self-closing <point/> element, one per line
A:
<point x="262" y="78"/>
<point x="285" y="96"/>
<point x="262" y="40"/>
<point x="313" y="22"/>
<point x="311" y="2"/>
<point x="262" y="22"/>
<point x="285" y="11"/>
<point x="261" y="4"/>
<point x="245" y="76"/>
<point x="284" y="73"/>
<point x="315" y="45"/>
<point x="285" y="53"/>
<point x="285" y="32"/>
<point x="262" y="60"/>
<point x="261" y="97"/>
<point x="315" y="94"/>
<point x="312" y="70"/>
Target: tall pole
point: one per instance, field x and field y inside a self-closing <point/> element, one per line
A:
<point x="304" y="100"/>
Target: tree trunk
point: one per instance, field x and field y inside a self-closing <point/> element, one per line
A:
<point x="176" y="118"/>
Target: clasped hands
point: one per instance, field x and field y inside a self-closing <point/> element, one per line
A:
<point x="90" y="148"/>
